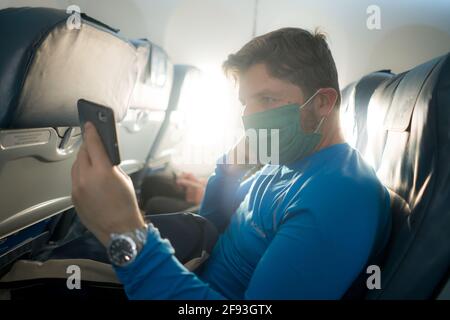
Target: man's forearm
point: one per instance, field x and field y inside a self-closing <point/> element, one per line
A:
<point x="157" y="274"/>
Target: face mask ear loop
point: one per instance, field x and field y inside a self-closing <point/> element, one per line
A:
<point x="304" y="105"/>
<point x="323" y="118"/>
<point x="309" y="100"/>
<point x="320" y="124"/>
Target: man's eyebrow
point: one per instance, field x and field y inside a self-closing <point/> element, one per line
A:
<point x="261" y="93"/>
<point x="265" y="92"/>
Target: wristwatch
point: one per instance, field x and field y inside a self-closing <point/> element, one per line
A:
<point x="123" y="248"/>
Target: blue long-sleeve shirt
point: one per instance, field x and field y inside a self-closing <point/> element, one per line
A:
<point x="303" y="231"/>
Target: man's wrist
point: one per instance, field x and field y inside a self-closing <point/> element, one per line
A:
<point x="132" y="224"/>
<point x="123" y="248"/>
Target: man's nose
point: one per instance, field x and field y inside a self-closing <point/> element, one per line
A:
<point x="248" y="110"/>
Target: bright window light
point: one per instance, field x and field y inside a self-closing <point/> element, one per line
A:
<point x="210" y="117"/>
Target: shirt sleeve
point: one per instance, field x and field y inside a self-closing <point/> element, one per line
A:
<point x="322" y="244"/>
<point x="157" y="274"/>
<point x="223" y="195"/>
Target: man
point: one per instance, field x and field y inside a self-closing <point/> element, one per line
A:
<point x="303" y="229"/>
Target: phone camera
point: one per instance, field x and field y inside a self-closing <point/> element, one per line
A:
<point x="102" y="116"/>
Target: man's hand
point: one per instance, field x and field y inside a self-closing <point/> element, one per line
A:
<point x="195" y="188"/>
<point x="103" y="194"/>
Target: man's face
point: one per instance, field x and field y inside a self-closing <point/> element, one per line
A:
<point x="259" y="91"/>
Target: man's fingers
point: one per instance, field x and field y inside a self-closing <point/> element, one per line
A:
<point x="123" y="173"/>
<point x="80" y="166"/>
<point x="83" y="158"/>
<point x="94" y="146"/>
<point x="182" y="175"/>
<point x="191" y="177"/>
<point x="188" y="183"/>
<point x="188" y="176"/>
<point x="75" y="174"/>
<point x="190" y="195"/>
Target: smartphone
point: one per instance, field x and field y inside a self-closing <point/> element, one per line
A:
<point x="103" y="119"/>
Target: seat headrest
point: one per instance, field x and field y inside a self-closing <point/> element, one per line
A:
<point x="408" y="127"/>
<point x="155" y="77"/>
<point x="355" y="99"/>
<point x="45" y="67"/>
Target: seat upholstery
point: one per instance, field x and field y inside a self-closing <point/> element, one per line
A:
<point x="400" y="124"/>
<point x="409" y="141"/>
<point x="14" y="55"/>
<point x="355" y="99"/>
<point x="45" y="67"/>
<point x="138" y="130"/>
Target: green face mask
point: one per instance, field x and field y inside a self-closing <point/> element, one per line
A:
<point x="294" y="144"/>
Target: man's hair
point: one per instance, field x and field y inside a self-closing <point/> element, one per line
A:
<point x="292" y="54"/>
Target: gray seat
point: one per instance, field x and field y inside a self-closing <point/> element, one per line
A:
<point x="355" y="99"/>
<point x="45" y="67"/>
<point x="406" y="120"/>
<point x="138" y="130"/>
<point x="354" y="104"/>
<point x="409" y="141"/>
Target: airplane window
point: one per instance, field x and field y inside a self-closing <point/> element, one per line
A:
<point x="207" y="112"/>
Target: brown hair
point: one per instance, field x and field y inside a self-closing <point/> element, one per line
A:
<point x="292" y="54"/>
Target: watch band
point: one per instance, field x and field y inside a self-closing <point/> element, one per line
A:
<point x="123" y="254"/>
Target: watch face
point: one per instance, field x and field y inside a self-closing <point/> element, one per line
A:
<point x="122" y="250"/>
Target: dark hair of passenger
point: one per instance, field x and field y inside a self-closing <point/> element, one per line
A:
<point x="292" y="54"/>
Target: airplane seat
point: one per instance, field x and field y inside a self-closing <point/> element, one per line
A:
<point x="355" y="99"/>
<point x="45" y="67"/>
<point x="409" y="145"/>
<point x="138" y="131"/>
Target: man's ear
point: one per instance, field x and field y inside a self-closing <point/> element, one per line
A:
<point x="326" y="101"/>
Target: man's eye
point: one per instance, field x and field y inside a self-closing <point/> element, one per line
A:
<point x="268" y="100"/>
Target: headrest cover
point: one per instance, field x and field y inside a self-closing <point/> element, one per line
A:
<point x="353" y="110"/>
<point x="47" y="67"/>
<point x="408" y="127"/>
<point x="155" y="77"/>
